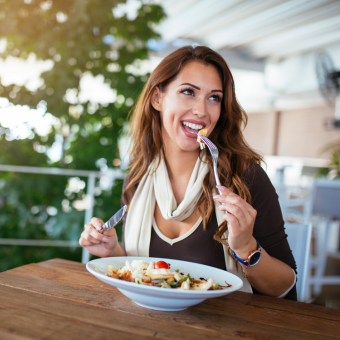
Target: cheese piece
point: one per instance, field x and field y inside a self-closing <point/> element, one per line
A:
<point x="202" y="132"/>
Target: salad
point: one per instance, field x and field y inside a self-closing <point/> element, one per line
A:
<point x="159" y="274"/>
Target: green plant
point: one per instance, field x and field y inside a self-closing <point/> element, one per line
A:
<point x="80" y="38"/>
<point x="333" y="169"/>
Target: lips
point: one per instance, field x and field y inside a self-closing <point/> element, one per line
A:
<point x="191" y="127"/>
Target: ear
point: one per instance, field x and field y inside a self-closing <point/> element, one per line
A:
<point x="156" y="99"/>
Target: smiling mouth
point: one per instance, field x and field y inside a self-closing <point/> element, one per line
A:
<point x="192" y="128"/>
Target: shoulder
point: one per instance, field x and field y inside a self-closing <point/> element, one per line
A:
<point x="262" y="191"/>
<point x="257" y="179"/>
<point x="255" y="173"/>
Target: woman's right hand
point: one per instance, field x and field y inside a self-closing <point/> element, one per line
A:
<point x="102" y="245"/>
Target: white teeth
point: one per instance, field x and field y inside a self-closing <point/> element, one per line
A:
<point x="193" y="126"/>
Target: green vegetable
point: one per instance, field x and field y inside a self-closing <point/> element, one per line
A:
<point x="190" y="278"/>
<point x="165" y="284"/>
<point x="217" y="286"/>
<point x="177" y="270"/>
<point x="172" y="283"/>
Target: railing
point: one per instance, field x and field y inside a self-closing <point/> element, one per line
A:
<point x="91" y="178"/>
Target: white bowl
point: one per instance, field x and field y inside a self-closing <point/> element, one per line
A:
<point x="165" y="299"/>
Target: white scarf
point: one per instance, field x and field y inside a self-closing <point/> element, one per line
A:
<point x="155" y="186"/>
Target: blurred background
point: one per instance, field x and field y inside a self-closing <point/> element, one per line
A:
<point x="71" y="70"/>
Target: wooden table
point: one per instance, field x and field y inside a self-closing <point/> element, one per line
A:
<point x="59" y="299"/>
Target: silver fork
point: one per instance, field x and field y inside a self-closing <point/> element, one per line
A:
<point x="214" y="153"/>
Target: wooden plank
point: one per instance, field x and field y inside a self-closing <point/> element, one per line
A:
<point x="64" y="264"/>
<point x="96" y="297"/>
<point x="284" y="305"/>
<point x="77" y="278"/>
<point x="235" y="317"/>
<point x="286" y="319"/>
<point x="28" y="324"/>
<point x="85" y="279"/>
<point x="5" y="335"/>
<point x="244" y="298"/>
<point x="66" y="310"/>
<point x="257" y="302"/>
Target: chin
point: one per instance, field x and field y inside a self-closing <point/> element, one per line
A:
<point x="189" y="147"/>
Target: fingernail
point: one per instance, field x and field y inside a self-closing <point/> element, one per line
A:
<point x="216" y="197"/>
<point x="222" y="188"/>
<point x="105" y="239"/>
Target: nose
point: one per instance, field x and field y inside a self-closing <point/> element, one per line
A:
<point x="199" y="108"/>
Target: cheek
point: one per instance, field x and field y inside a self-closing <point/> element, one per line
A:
<point x="168" y="111"/>
<point x="168" y="120"/>
<point x="174" y="110"/>
<point x="178" y="103"/>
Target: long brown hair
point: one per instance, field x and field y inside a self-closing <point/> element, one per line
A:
<point x="235" y="155"/>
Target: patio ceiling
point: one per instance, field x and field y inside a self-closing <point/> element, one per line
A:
<point x="249" y="32"/>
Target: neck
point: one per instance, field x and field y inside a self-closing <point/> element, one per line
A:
<point x="180" y="164"/>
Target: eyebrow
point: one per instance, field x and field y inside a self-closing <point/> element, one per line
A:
<point x="196" y="87"/>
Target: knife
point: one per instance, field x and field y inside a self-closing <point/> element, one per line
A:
<point x="113" y="221"/>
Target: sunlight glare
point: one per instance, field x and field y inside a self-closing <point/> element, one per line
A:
<point x="24" y="72"/>
<point x="22" y="121"/>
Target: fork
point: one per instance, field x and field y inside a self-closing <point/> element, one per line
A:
<point x="214" y="153"/>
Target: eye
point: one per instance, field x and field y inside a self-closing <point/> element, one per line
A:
<point x="188" y="91"/>
<point x="215" y="97"/>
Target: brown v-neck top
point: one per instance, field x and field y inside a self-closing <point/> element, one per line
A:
<point x="200" y="247"/>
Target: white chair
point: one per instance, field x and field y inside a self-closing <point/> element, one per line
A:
<point x="323" y="208"/>
<point x="299" y="238"/>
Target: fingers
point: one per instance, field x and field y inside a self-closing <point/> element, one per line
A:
<point x="110" y="233"/>
<point x="227" y="196"/>
<point x="90" y="234"/>
<point x="234" y="225"/>
<point x="97" y="223"/>
<point x="241" y="215"/>
<point x="235" y="211"/>
<point x="87" y="239"/>
<point x="84" y="242"/>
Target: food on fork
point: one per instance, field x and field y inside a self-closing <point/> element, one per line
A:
<point x="159" y="274"/>
<point x="202" y="132"/>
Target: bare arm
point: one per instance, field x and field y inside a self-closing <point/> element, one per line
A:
<point x="269" y="276"/>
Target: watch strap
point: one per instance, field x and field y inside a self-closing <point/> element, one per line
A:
<point x="246" y="262"/>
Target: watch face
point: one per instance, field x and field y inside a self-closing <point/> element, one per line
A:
<point x="255" y="257"/>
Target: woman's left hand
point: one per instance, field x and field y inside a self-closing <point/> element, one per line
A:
<point x="241" y="217"/>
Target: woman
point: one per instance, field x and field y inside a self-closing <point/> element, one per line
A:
<point x="175" y="210"/>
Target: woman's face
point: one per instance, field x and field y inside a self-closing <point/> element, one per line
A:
<point x="190" y="103"/>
